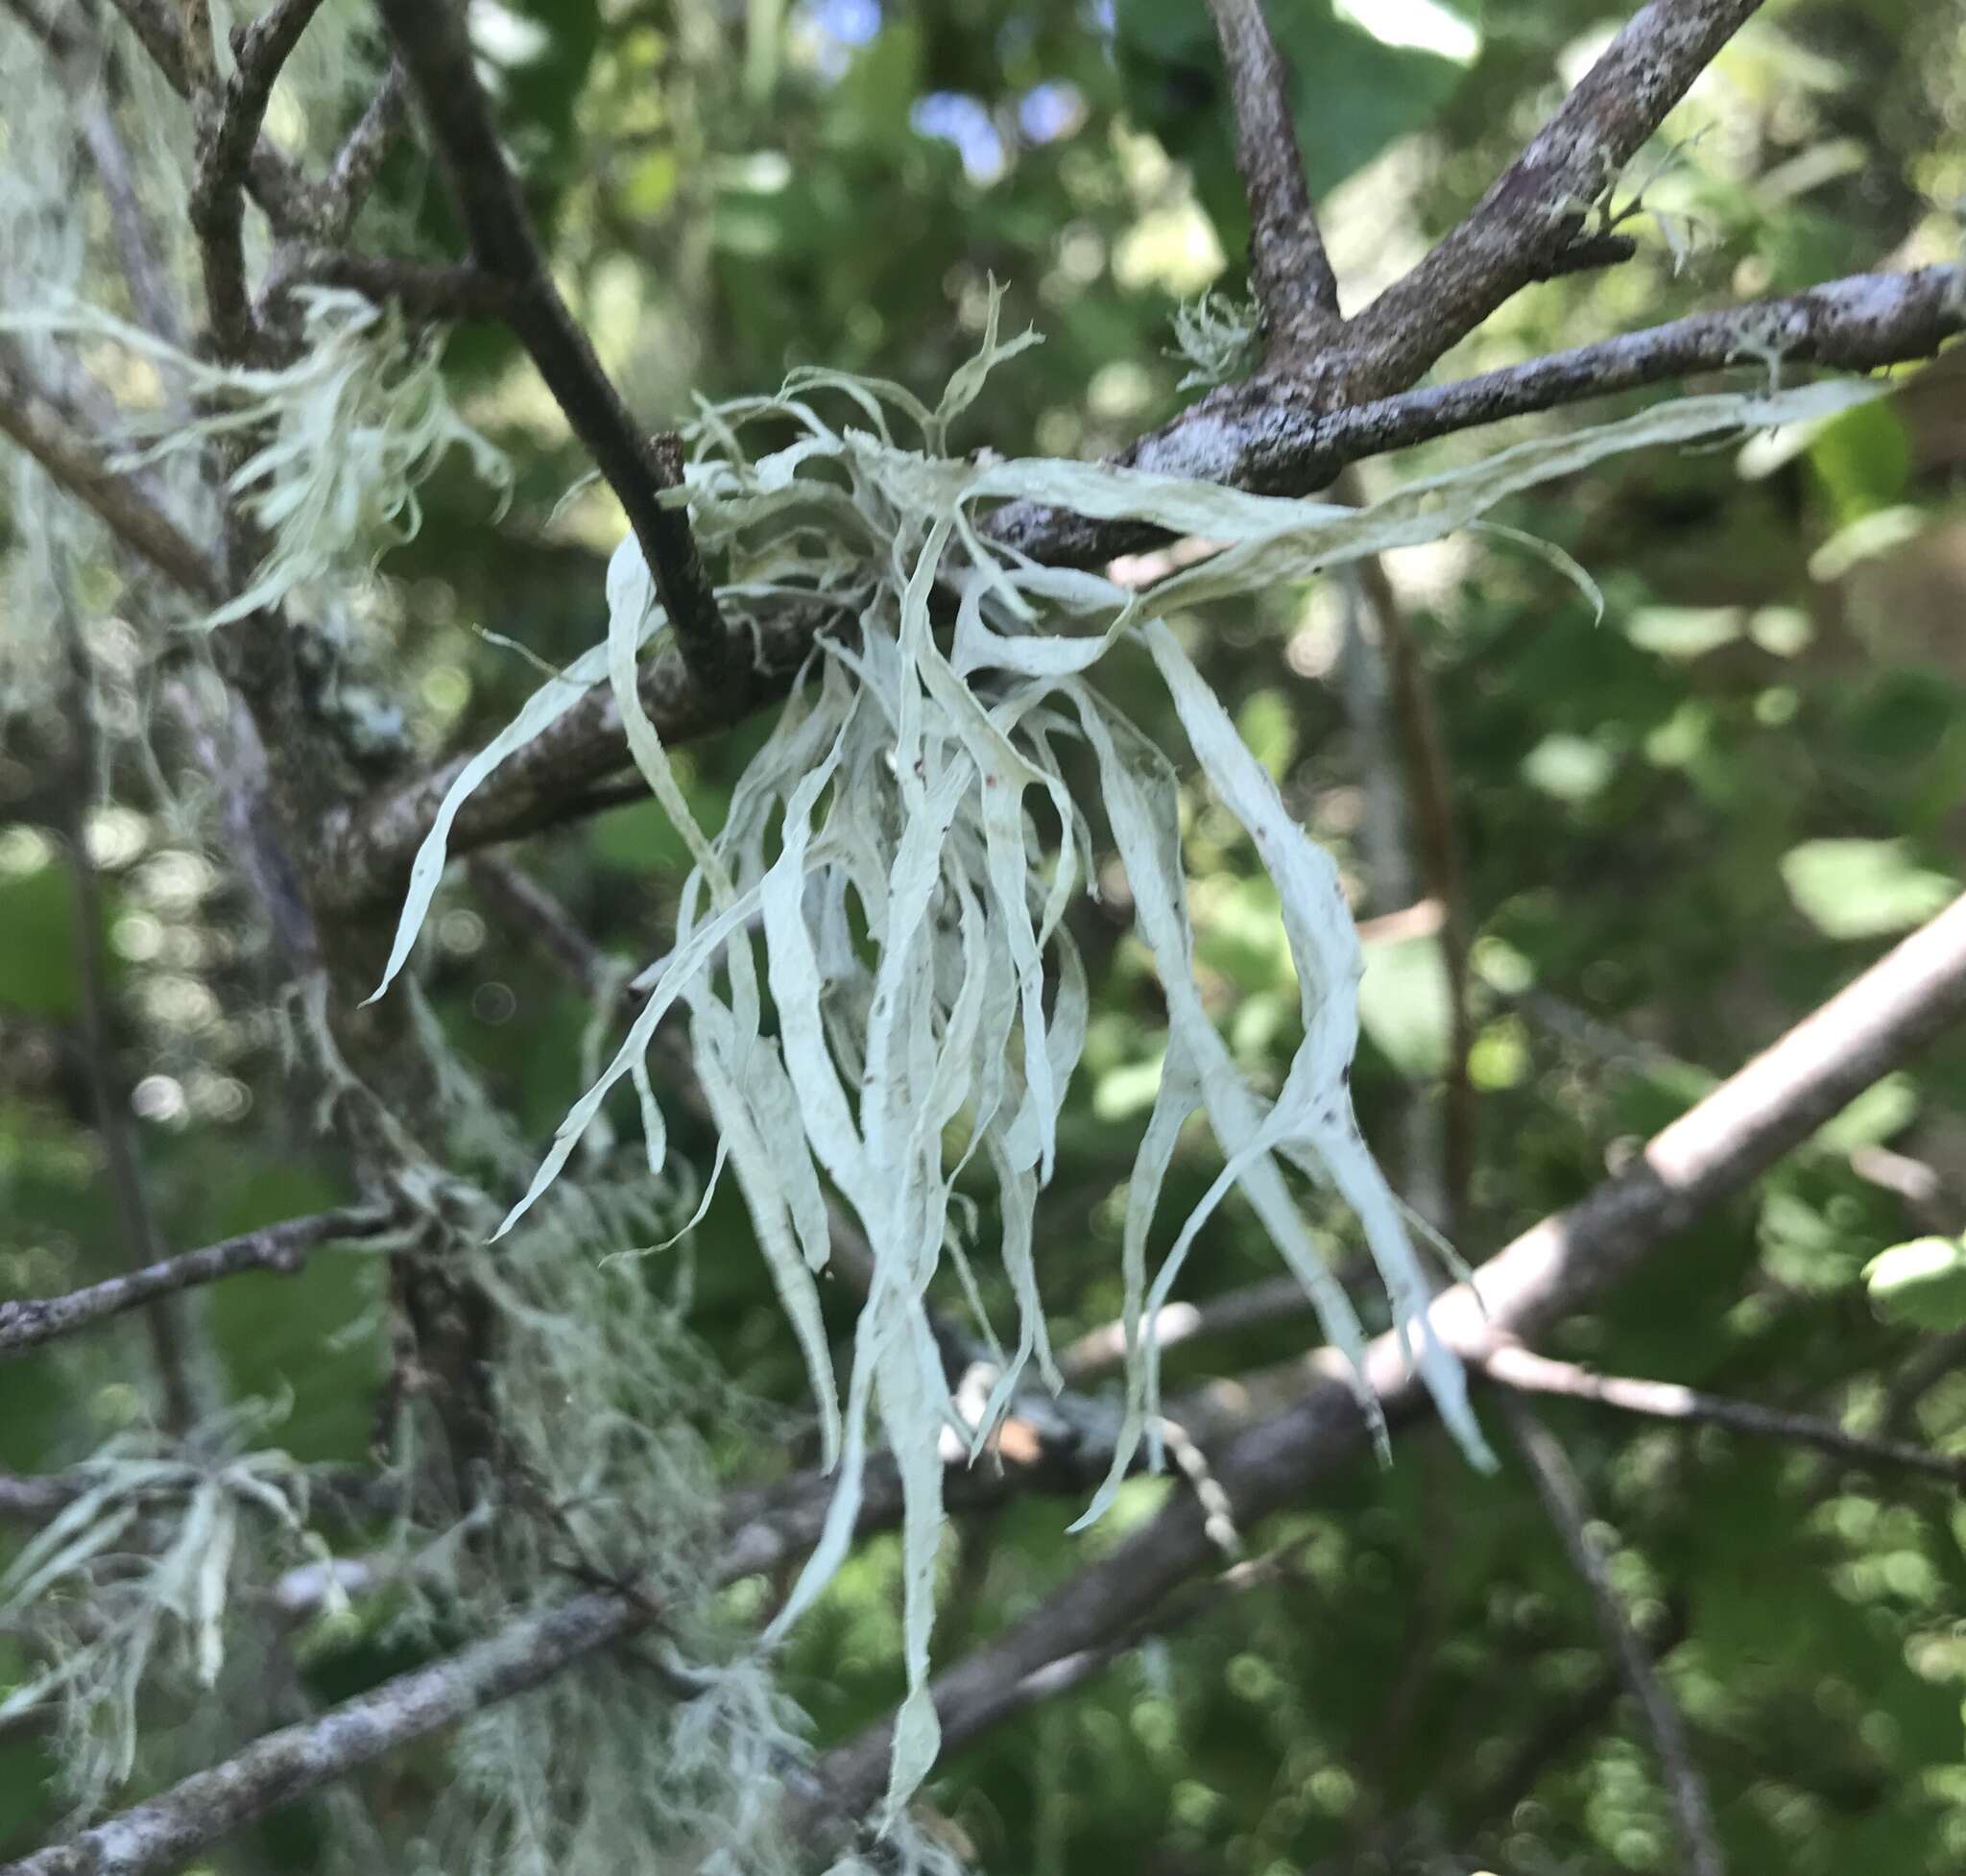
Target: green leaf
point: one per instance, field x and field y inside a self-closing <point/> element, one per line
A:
<point x="1403" y="1006"/>
<point x="1862" y="888"/>
<point x="1921" y="1283"/>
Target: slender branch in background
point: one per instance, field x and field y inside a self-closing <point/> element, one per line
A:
<point x="138" y="1230"/>
<point x="358" y="162"/>
<point x="1277" y="436"/>
<point x="129" y="223"/>
<point x="1430" y="796"/>
<point x="170" y="1830"/>
<point x="642" y="470"/>
<point x="34" y="422"/>
<point x="229" y="126"/>
<point x="1562" y="1494"/>
<point x="1775" y="1102"/>
<point x="1289" y="271"/>
<point x="1524" y="1372"/>
<point x="423" y="292"/>
<point x="27" y="1322"/>
<point x="1538" y="205"/>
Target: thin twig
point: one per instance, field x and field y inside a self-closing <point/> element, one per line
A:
<point x="1289" y="271"/>
<point x="423" y="292"/>
<point x="1257" y="436"/>
<point x="27" y="1322"/>
<point x="164" y="1833"/>
<point x="34" y="421"/>
<point x="359" y="160"/>
<point x="1527" y="1373"/>
<point x="277" y="185"/>
<point x="1772" y="1105"/>
<point x="228" y="134"/>
<point x="640" y="469"/>
<point x="1562" y="1494"/>
<point x="1539" y="205"/>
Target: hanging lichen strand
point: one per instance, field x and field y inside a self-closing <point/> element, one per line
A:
<point x="929" y="1002"/>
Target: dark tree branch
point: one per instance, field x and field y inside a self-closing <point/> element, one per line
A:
<point x="34" y="421"/>
<point x="166" y="1832"/>
<point x="1295" y="287"/>
<point x="423" y="292"/>
<point x="1769" y="1106"/>
<point x="358" y="161"/>
<point x="228" y="134"/>
<point x="644" y="471"/>
<point x="1256" y="436"/>
<point x="1519" y="1369"/>
<point x="277" y="185"/>
<point x="1275" y="435"/>
<point x="1562" y="1494"/>
<point x="26" y="1323"/>
<point x="1536" y="209"/>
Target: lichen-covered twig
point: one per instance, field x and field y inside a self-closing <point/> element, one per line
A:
<point x="1292" y="277"/>
<point x="1537" y="206"/>
<point x="33" y="420"/>
<point x="1256" y="436"/>
<point x="168" y="1831"/>
<point x="640" y="469"/>
<point x="227" y="135"/>
<point x="28" y="1322"/>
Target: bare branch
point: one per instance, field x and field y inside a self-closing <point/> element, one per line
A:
<point x="277" y="185"/>
<point x="1769" y="1106"/>
<point x="1537" y="206"/>
<point x="1099" y="1350"/>
<point x="1562" y="1494"/>
<point x="26" y="1323"/>
<point x="165" y="1832"/>
<point x="1262" y="435"/>
<point x="1525" y="1372"/>
<point x="640" y="469"/>
<point x="1278" y="435"/>
<point x="1292" y="277"/>
<point x="34" y="421"/>
<point x="228" y="134"/>
<point x="358" y="161"/>
<point x="423" y="292"/>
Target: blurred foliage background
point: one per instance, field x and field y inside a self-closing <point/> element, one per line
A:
<point x="1681" y="825"/>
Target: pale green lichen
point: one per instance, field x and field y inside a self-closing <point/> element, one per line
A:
<point x="890" y="800"/>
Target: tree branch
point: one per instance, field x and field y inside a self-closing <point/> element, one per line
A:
<point x="1277" y="435"/>
<point x="1292" y="277"/>
<point x="1562" y="1494"/>
<point x="165" y="1832"/>
<point x="1525" y="1372"/>
<point x="277" y="185"/>
<point x="1247" y="436"/>
<point x="1537" y="206"/>
<point x="27" y="1322"/>
<point x="228" y="134"/>
<point x="642" y="470"/>
<point x="1740" y="1129"/>
<point x="34" y="421"/>
<point x="135" y="1222"/>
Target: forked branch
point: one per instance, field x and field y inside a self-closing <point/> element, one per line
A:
<point x="640" y="469"/>
<point x="1288" y="269"/>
